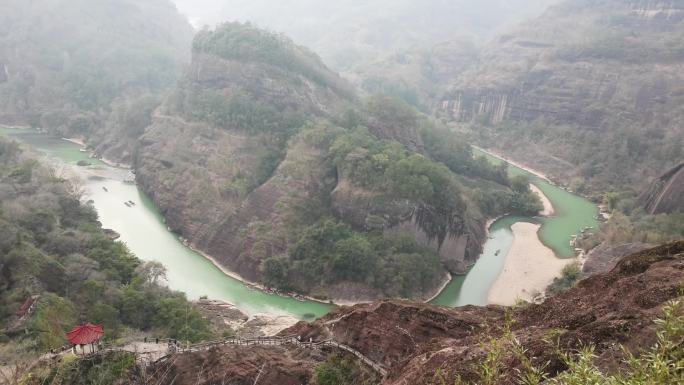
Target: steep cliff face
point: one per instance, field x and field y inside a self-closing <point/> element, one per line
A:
<point x="374" y="211"/>
<point x="588" y="91"/>
<point x="415" y="341"/>
<point x="257" y="229"/>
<point x="666" y="193"/>
<point x="215" y="184"/>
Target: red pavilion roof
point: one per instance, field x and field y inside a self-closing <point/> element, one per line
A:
<point x="85" y="334"/>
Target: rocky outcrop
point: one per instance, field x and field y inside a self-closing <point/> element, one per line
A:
<point x="386" y="127"/>
<point x="457" y="251"/>
<point x="417" y="340"/>
<point x="229" y="186"/>
<point x="604" y="257"/>
<point x="369" y="210"/>
<point x="666" y="193"/>
<point x="226" y="317"/>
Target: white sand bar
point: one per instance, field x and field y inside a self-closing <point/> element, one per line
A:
<point x="548" y="206"/>
<point x="528" y="269"/>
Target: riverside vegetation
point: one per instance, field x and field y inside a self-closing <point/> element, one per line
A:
<point x="53" y="246"/>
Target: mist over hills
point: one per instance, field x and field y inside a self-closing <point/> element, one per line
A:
<point x="349" y="32"/>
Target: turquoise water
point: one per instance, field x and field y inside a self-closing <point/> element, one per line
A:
<point x="143" y="230"/>
<point x="572" y="214"/>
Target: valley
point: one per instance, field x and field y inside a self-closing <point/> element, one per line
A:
<point x="143" y="230"/>
<point x="376" y="192"/>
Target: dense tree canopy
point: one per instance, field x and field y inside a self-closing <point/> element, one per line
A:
<point x="52" y="245"/>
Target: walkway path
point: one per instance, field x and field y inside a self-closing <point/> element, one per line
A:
<point x="277" y="341"/>
<point x="161" y="350"/>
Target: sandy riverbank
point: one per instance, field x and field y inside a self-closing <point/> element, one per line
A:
<point x="528" y="269"/>
<point x="548" y="206"/>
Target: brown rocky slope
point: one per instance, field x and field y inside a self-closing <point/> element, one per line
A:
<point x="417" y="340"/>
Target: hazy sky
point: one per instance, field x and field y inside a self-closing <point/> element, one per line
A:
<point x="202" y="12"/>
<point x="344" y="32"/>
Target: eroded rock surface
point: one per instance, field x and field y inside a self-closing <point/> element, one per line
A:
<point x="666" y="193"/>
<point x="415" y="340"/>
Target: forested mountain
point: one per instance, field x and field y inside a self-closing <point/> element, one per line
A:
<point x="348" y="188"/>
<point x="405" y="48"/>
<point x="53" y="249"/>
<point x="91" y="68"/>
<point x="269" y="162"/>
<point x="590" y="92"/>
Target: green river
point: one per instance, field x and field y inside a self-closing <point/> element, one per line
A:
<point x="572" y="213"/>
<point x="143" y="230"/>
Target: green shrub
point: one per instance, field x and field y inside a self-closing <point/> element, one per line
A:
<point x="109" y="369"/>
<point x="659" y="364"/>
<point x="53" y="317"/>
<point x="54" y="246"/>
<point x="570" y="274"/>
<point x="343" y="370"/>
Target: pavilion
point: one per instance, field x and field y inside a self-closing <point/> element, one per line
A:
<point x="86" y="334"/>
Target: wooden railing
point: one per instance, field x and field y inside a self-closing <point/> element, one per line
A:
<point x="284" y="341"/>
<point x="174" y="347"/>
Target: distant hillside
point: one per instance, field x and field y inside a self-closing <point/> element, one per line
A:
<point x="89" y="68"/>
<point x="270" y="163"/>
<point x="590" y="92"/>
